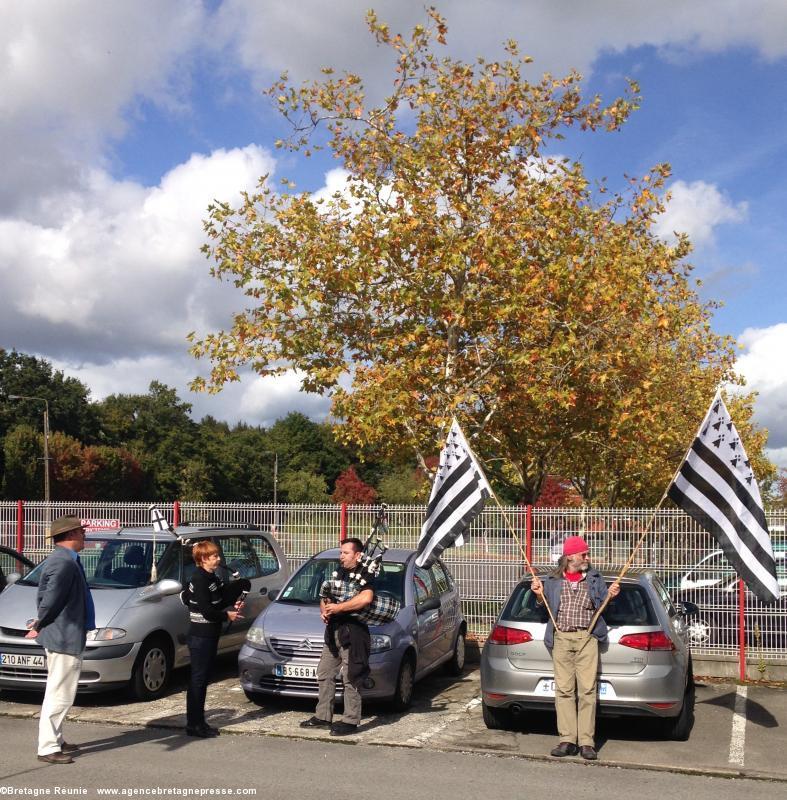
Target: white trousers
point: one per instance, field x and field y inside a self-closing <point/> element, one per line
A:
<point x="61" y="689"/>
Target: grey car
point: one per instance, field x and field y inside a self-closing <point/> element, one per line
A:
<point x="142" y="625"/>
<point x="645" y="669"/>
<point x="283" y="646"/>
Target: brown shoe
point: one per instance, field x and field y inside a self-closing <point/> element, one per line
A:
<point x="69" y="748"/>
<point x="56" y="758"/>
<point x="564" y="749"/>
<point x="587" y="752"/>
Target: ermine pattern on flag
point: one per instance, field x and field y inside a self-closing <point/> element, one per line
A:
<point x="716" y="487"/>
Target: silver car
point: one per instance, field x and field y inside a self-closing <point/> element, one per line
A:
<point x="141" y="626"/>
<point x="645" y="669"/>
<point x="284" y="644"/>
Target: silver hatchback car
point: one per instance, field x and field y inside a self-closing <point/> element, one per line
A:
<point x="284" y="644"/>
<point x="142" y="626"/>
<point x="645" y="669"/>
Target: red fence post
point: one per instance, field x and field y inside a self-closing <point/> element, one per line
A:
<point x="20" y="526"/>
<point x="176" y="514"/>
<point x="741" y="627"/>
<point x="529" y="533"/>
<point x="343" y="522"/>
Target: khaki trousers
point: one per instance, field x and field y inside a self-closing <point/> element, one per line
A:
<point x="575" y="657"/>
<point x="61" y="689"/>
<point x="327" y="670"/>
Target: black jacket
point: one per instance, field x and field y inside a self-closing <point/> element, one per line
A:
<point x="207" y="598"/>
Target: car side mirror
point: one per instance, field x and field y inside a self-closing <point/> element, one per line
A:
<point x="688" y="609"/>
<point x="430" y="604"/>
<point x="12" y="577"/>
<point x="272" y="594"/>
<point x="167" y="586"/>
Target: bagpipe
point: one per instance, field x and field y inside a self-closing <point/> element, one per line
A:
<point x="384" y="607"/>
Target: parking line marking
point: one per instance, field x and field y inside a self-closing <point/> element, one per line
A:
<point x="425" y="736"/>
<point x="738" y="735"/>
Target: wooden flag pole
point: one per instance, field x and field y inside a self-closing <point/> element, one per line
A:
<point x="524" y="554"/>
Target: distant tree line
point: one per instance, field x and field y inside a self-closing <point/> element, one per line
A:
<point x="147" y="446"/>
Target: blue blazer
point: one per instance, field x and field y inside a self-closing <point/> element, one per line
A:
<point x="597" y="589"/>
<point x="61" y="604"/>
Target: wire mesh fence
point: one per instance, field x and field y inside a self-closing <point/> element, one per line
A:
<point x="490" y="564"/>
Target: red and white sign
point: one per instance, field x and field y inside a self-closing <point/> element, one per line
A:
<point x="94" y="524"/>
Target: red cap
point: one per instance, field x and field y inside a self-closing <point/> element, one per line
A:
<point x="574" y="545"/>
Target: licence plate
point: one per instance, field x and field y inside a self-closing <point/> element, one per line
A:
<point x="294" y="671"/>
<point x="18" y="660"/>
<point x="546" y="688"/>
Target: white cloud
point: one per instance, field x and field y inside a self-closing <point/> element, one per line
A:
<point x="559" y="34"/>
<point x="697" y="209"/>
<point x="765" y="369"/>
<point x="120" y="273"/>
<point x="71" y="72"/>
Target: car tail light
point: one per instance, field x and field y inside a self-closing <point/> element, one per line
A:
<point x="502" y="634"/>
<point x="653" y="640"/>
<point x="662" y="706"/>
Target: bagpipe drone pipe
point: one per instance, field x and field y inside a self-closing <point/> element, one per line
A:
<point x="384" y="607"/>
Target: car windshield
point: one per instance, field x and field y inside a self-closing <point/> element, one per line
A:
<point x="304" y="587"/>
<point x="10" y="563"/>
<point x="630" y="607"/>
<point x="115" y="563"/>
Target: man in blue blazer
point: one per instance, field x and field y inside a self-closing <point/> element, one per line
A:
<point x="574" y="591"/>
<point x="65" y="615"/>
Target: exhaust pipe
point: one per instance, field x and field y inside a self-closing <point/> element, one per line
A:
<point x="515" y="709"/>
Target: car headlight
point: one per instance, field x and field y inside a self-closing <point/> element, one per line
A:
<point x="256" y="638"/>
<point x="380" y="642"/>
<point x="105" y="634"/>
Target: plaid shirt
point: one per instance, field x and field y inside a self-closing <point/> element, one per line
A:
<point x="576" y="609"/>
<point x="382" y="609"/>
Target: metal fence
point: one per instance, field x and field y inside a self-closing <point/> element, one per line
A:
<point x="491" y="562"/>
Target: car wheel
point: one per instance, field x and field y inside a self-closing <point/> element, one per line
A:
<point x="403" y="696"/>
<point x="679" y="728"/>
<point x="151" y="670"/>
<point x="457" y="662"/>
<point x="496" y="719"/>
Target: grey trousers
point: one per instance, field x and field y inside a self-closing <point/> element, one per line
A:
<point x="327" y="670"/>
<point x="575" y="656"/>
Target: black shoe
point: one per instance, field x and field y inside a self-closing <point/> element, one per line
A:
<point x="56" y="758"/>
<point x="564" y="749"/>
<point x="201" y="731"/>
<point x="342" y="729"/>
<point x="315" y="722"/>
<point x="69" y="748"/>
<point x="588" y="752"/>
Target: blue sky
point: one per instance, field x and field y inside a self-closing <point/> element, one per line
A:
<point x="120" y="122"/>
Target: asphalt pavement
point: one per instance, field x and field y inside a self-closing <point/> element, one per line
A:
<point x="738" y="732"/>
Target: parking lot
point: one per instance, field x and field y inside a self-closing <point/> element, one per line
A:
<point x="738" y="730"/>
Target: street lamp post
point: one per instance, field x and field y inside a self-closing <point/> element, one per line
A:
<point x="46" y="449"/>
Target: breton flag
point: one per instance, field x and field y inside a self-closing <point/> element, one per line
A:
<point x="158" y="520"/>
<point x="716" y="487"/>
<point x="458" y="495"/>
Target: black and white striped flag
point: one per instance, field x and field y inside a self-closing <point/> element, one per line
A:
<point x="716" y="487"/>
<point x="458" y="495"/>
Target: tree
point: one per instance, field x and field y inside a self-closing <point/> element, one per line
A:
<point x="303" y="486"/>
<point x="404" y="485"/>
<point x="351" y="489"/>
<point x="558" y="493"/>
<point x="463" y="271"/>
<point x="23" y="455"/>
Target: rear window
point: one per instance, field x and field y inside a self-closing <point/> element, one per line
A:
<point x="630" y="607"/>
<point x="304" y="587"/>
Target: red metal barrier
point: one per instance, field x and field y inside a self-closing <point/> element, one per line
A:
<point x="343" y="522"/>
<point x="176" y="514"/>
<point x="742" y="627"/>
